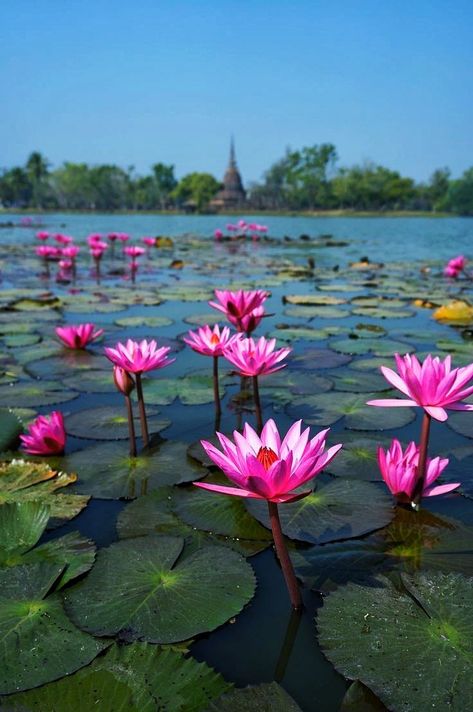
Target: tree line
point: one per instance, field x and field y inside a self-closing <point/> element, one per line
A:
<point x="308" y="179"/>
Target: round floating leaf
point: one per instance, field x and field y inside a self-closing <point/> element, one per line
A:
<point x="311" y="312"/>
<point x="312" y="359"/>
<point x="10" y="429"/>
<point x="47" y="349"/>
<point x="137" y="321"/>
<point x="268" y="697"/>
<point x="219" y="515"/>
<point x="148" y="588"/>
<point x="413" y="647"/>
<point x="156" y="514"/>
<point x="382" y="312"/>
<point x="345" y="379"/>
<point x="358" y="457"/>
<point x="35" y="393"/>
<point x="22" y="481"/>
<point x="16" y="340"/>
<point x="92" y="382"/>
<point x="461" y="423"/>
<point x="327" y="408"/>
<point x="129" y="679"/>
<point x="280" y="387"/>
<point x="210" y="318"/>
<point x="69" y="362"/>
<point x="370" y="364"/>
<point x="359" y="698"/>
<point x="319" y="299"/>
<point x="339" y="509"/>
<point x="21" y="526"/>
<point x="107" y="471"/>
<point x="379" y="347"/>
<point x="39" y="642"/>
<point x="192" y="389"/>
<point x="108" y="423"/>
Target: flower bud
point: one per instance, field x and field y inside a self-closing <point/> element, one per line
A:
<point x="123" y="380"/>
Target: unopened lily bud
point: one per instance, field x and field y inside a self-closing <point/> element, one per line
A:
<point x="123" y="380"/>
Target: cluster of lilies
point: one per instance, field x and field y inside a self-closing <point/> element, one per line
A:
<point x="241" y="229"/>
<point x="261" y="463"/>
<point x="65" y="252"/>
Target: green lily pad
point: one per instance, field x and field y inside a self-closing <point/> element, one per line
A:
<point x="108" y="423"/>
<point x="156" y="513"/>
<point x="210" y="318"/>
<point x="23" y="481"/>
<point x="412" y="646"/>
<point x="369" y="364"/>
<point x="379" y="347"/>
<point x="129" y="679"/>
<point x="359" y="698"/>
<point x="327" y="408"/>
<point x="324" y="312"/>
<point x="153" y="322"/>
<point x="10" y="429"/>
<point x="382" y="312"/>
<point x="358" y="457"/>
<point x="192" y="389"/>
<point x="148" y="588"/>
<point x="29" y="354"/>
<point x="35" y="393"/>
<point x="312" y="359"/>
<point x="92" y="382"/>
<point x="108" y="472"/>
<point x="311" y="299"/>
<point x="15" y="340"/>
<point x="21" y="526"/>
<point x="461" y="423"/>
<point x="39" y="642"/>
<point x="267" y="697"/>
<point x="346" y="379"/>
<point x="69" y="362"/>
<point x="339" y="509"/>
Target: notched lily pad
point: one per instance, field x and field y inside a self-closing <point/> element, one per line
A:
<point x="108" y="423"/>
<point x="35" y="393"/>
<point x="149" y="588"/>
<point x="267" y="697"/>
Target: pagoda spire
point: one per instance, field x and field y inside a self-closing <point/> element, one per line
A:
<point x="232" y="162"/>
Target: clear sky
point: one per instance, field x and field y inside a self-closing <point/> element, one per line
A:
<point x="136" y="82"/>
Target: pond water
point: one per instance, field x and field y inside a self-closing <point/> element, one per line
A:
<point x="345" y="321"/>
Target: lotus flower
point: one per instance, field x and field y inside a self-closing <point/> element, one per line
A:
<point x="46" y="435"/>
<point x="112" y="236"/>
<point x="149" y="241"/>
<point x="94" y="238"/>
<point x="399" y="471"/>
<point x="123" y="236"/>
<point x="134" y="251"/>
<point x="66" y="265"/>
<point x="46" y="251"/>
<point x="123" y="381"/>
<point x="136" y="357"/>
<point x="42" y="235"/>
<point x="255" y="358"/>
<point x="71" y="252"/>
<point x="77" y="337"/>
<point x="266" y="468"/>
<point x="434" y="385"/>
<point x="207" y="341"/>
<point x="238" y="305"/>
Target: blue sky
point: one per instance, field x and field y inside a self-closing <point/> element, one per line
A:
<point x="138" y="82"/>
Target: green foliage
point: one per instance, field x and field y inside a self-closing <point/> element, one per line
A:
<point x="196" y="189"/>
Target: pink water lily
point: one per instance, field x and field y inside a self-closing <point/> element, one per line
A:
<point x="46" y="435"/>
<point x="70" y="252"/>
<point x="207" y="341"/>
<point x="433" y="385"/>
<point x="266" y="467"/>
<point x="79" y="335"/>
<point x="136" y="357"/>
<point x="149" y="241"/>
<point x="134" y="251"/>
<point x="238" y="305"/>
<point x="255" y="358"/>
<point x="399" y="470"/>
<point x="42" y="235"/>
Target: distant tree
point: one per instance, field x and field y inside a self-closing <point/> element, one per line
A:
<point x="73" y="186"/>
<point x="372" y="187"/>
<point x="164" y="181"/>
<point x="196" y="188"/>
<point x="15" y="188"/>
<point x="459" y="198"/>
<point x="111" y="187"/>
<point x="437" y="188"/>
<point x="37" y="172"/>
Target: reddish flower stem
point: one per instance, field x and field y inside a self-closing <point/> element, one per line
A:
<point x="141" y="407"/>
<point x="131" y="426"/>
<point x="259" y="414"/>
<point x="218" y="407"/>
<point x="283" y="556"/>
<point x="421" y="467"/>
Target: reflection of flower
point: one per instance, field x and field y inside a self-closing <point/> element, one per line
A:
<point x="255" y="358"/>
<point x="434" y="385"/>
<point x="46" y="435"/>
<point x="207" y="341"/>
<point x="266" y="468"/>
<point x="240" y="304"/>
<point x="136" y="357"/>
<point x="77" y="337"/>
<point x="399" y="471"/>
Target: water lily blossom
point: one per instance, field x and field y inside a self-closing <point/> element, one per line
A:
<point x="399" y="470"/>
<point x="136" y="357"/>
<point x="239" y="304"/>
<point x="433" y="385"/>
<point x="455" y="266"/>
<point x="134" y="251"/>
<point x="42" y="235"/>
<point x="266" y="467"/>
<point x="255" y="358"/>
<point x="78" y="336"/>
<point x="207" y="341"/>
<point x="46" y="435"/>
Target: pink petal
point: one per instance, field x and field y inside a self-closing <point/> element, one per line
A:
<point x="392" y="402"/>
<point x="436" y="412"/>
<point x="441" y="489"/>
<point x="234" y="491"/>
